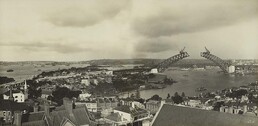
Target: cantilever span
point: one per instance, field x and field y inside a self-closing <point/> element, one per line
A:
<point x="221" y="63"/>
<point x="161" y="67"/>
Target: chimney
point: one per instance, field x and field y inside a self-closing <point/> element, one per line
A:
<point x="11" y="94"/>
<point x="17" y="118"/>
<point x="47" y="109"/>
<point x="35" y="108"/>
<point x="245" y="109"/>
<point x="68" y="104"/>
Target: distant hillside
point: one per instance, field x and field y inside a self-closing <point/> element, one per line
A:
<point x="146" y="62"/>
<point x="150" y="62"/>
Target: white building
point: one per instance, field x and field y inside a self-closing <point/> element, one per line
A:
<point x="85" y="81"/>
<point x="18" y="96"/>
<point x="193" y="103"/>
<point x="129" y="114"/>
<point x="109" y="72"/>
<point x="91" y="105"/>
<point x="84" y="96"/>
<point x="155" y="70"/>
<point x="231" y="69"/>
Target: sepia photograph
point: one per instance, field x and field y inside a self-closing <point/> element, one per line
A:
<point x="128" y="63"/>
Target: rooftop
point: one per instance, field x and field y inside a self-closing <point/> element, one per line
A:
<point x="12" y="106"/>
<point x="184" y="116"/>
<point x="114" y="117"/>
<point x="133" y="111"/>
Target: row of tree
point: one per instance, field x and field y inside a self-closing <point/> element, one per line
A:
<point x="4" y="79"/>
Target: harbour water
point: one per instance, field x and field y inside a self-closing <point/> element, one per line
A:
<point x="189" y="80"/>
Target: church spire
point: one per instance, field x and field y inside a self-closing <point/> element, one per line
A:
<point x="25" y="85"/>
<point x="25" y="90"/>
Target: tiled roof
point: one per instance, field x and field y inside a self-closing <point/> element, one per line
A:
<point x="133" y="111"/>
<point x="153" y="102"/>
<point x="35" y="123"/>
<point x="114" y="117"/>
<point x="170" y="115"/>
<point x="36" y="116"/>
<point x="81" y="116"/>
<point x="13" y="91"/>
<point x="48" y="92"/>
<point x="12" y="106"/>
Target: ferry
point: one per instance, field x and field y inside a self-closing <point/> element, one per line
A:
<point x="10" y="70"/>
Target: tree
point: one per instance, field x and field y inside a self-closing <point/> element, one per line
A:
<point x="168" y="96"/>
<point x="155" y="97"/>
<point x="183" y="94"/>
<point x="176" y="94"/>
<point x="4" y="80"/>
<point x="62" y="92"/>
<point x="217" y="105"/>
<point x="132" y="96"/>
<point x="34" y="93"/>
<point x="177" y="98"/>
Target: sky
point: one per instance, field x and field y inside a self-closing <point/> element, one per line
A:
<point x="67" y="30"/>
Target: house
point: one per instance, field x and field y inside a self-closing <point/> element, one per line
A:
<point x="114" y="119"/>
<point x="84" y="96"/>
<point x="16" y="95"/>
<point x="91" y="105"/>
<point x="8" y="107"/>
<point x="153" y="106"/>
<point x="192" y="103"/>
<point x="131" y="115"/>
<point x="46" y="93"/>
<point x="106" y="103"/>
<point x="170" y="115"/>
<point x="131" y="102"/>
<point x="66" y="115"/>
<point x="85" y="82"/>
<point x="70" y="116"/>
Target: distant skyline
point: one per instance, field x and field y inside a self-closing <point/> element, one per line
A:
<point x="65" y="30"/>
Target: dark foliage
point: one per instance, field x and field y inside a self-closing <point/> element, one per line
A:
<point x="237" y="93"/>
<point x="217" y="105"/>
<point x="155" y="97"/>
<point x="4" y="80"/>
<point x="62" y="92"/>
<point x="177" y="98"/>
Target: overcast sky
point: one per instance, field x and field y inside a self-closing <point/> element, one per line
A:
<point x="103" y="29"/>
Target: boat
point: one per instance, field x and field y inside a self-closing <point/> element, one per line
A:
<point x="10" y="70"/>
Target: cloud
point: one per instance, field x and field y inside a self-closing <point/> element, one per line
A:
<point x="40" y="46"/>
<point x="182" y="17"/>
<point x="86" y="14"/>
<point x="155" y="45"/>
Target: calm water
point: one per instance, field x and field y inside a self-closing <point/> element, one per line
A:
<point x="27" y="71"/>
<point x="188" y="81"/>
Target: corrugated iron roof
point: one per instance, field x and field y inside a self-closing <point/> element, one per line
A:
<point x="171" y="115"/>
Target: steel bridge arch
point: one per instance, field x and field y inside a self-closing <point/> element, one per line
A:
<point x="161" y="67"/>
<point x="218" y="61"/>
